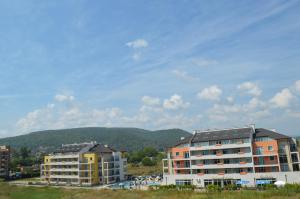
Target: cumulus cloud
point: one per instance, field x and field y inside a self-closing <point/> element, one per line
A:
<point x="138" y="43"/>
<point x="175" y="102"/>
<point x="250" y="88"/>
<point x="282" y="99"/>
<point x="230" y="99"/>
<point x="297" y="85"/>
<point x="61" y="117"/>
<point x="150" y="101"/>
<point x="62" y="98"/>
<point x="211" y="93"/>
<point x="253" y="109"/>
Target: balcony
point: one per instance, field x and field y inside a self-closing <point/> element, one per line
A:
<point x="221" y="156"/>
<point x="220" y="146"/>
<point x="221" y="166"/>
<point x="270" y="153"/>
<point x="266" y="164"/>
<point x="62" y="169"/>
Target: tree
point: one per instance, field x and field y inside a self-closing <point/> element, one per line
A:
<point x="150" y="152"/>
<point x="148" y="162"/>
<point x="24" y="153"/>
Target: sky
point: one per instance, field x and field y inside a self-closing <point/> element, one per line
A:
<point x="149" y="64"/>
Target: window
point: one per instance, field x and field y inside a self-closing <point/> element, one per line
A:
<point x="283" y="159"/>
<point x="183" y="182"/>
<point x="272" y="158"/>
<point x="91" y="159"/>
<point x="226" y="142"/>
<point x="270" y="148"/>
<point x="177" y="153"/>
<point x="285" y="167"/>
<point x="186" y="155"/>
<point x="262" y="139"/>
<point x="259" y="150"/>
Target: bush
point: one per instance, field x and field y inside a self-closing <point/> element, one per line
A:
<point x="292" y="188"/>
<point x="270" y="186"/>
<point x="177" y="187"/>
<point x="231" y="187"/>
<point x="213" y="188"/>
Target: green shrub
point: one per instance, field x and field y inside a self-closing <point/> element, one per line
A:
<point x="177" y="187"/>
<point x="213" y="188"/>
<point x="270" y="186"/>
<point x="292" y="188"/>
<point x="231" y="187"/>
<point x="148" y="162"/>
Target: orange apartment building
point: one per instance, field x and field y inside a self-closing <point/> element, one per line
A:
<point x="245" y="156"/>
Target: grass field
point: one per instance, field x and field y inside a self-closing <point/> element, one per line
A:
<point x="17" y="192"/>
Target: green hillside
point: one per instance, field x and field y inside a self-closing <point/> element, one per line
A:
<point x="120" y="138"/>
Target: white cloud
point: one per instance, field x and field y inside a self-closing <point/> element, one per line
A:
<point x="150" y="101"/>
<point x="282" y="99"/>
<point x="297" y="85"/>
<point x="293" y="113"/>
<point x="175" y="102"/>
<point x="230" y="99"/>
<point x="250" y="88"/>
<point x="136" y="56"/>
<point x="62" y="98"/>
<point x="210" y="93"/>
<point x="62" y="117"/>
<point x="138" y="43"/>
<point x="255" y="103"/>
<point x="183" y="75"/>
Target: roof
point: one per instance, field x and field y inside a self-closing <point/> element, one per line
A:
<point x="100" y="148"/>
<point x="75" y="148"/>
<point x="214" y="135"/>
<point x="225" y="134"/>
<point x="84" y="148"/>
<point x="222" y="135"/>
<point x="261" y="132"/>
<point x="184" y="141"/>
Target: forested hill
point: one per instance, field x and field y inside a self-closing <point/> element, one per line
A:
<point x="120" y="138"/>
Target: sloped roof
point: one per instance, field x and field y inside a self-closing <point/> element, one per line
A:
<point x="100" y="148"/>
<point x="222" y="135"/>
<point x="74" y="148"/>
<point x="217" y="135"/>
<point x="184" y="141"/>
<point x="261" y="132"/>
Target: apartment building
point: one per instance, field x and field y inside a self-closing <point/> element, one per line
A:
<point x="244" y="156"/>
<point x="4" y="161"/>
<point x="84" y="164"/>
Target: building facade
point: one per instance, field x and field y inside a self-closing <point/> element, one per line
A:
<point x="4" y="161"/>
<point x="84" y="164"/>
<point x="246" y="156"/>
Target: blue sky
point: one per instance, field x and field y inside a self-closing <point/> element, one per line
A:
<point x="149" y="64"/>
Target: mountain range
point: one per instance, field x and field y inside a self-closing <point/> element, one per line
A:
<point x="128" y="139"/>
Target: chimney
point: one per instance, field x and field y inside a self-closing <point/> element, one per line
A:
<point x="105" y="145"/>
